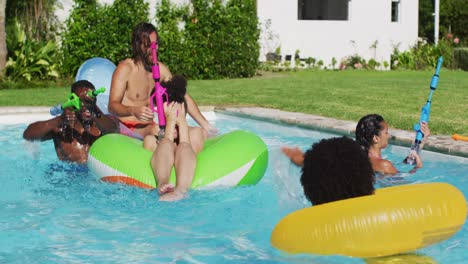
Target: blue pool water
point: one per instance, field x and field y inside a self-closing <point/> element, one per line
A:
<point x="53" y="213"/>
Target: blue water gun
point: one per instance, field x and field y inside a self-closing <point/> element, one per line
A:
<point x="425" y="112"/>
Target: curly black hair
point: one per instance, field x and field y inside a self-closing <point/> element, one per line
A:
<point x="91" y="107"/>
<point x="336" y="169"/>
<point x="368" y="127"/>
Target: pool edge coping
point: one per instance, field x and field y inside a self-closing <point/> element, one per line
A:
<point x="437" y="143"/>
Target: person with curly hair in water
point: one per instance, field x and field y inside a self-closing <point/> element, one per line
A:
<point x="372" y="134"/>
<point x="333" y="169"/>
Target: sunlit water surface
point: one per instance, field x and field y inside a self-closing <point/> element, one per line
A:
<point x="52" y="212"/>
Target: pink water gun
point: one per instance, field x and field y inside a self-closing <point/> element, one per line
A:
<point x="159" y="92"/>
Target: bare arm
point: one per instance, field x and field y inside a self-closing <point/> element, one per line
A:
<point x="120" y="80"/>
<point x="195" y="113"/>
<point x="117" y="91"/>
<point x="107" y="123"/>
<point x="166" y="74"/>
<point x="426" y="131"/>
<point x="386" y="167"/>
<point x="383" y="166"/>
<point x="183" y="126"/>
<point x="42" y="130"/>
<point x="294" y="154"/>
<point x="170" y="111"/>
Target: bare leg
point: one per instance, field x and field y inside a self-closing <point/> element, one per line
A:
<point x="185" y="163"/>
<point x="162" y="162"/>
<point x="197" y="138"/>
<point x="150" y="143"/>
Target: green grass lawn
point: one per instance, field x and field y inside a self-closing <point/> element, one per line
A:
<point x="348" y="95"/>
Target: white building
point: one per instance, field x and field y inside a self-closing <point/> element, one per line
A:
<point x="324" y="29"/>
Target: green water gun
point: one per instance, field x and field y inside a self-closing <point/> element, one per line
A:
<point x="74" y="102"/>
<point x="95" y="93"/>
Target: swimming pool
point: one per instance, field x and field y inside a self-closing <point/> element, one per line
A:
<point x="52" y="213"/>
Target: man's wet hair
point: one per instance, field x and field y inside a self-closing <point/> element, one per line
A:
<point x="141" y="36"/>
<point x="368" y="127"/>
<point x="82" y="84"/>
<point x="336" y="169"/>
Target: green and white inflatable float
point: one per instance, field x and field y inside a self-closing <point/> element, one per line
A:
<point x="236" y="158"/>
<point x="233" y="159"/>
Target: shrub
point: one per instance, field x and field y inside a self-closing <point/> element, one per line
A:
<point x="209" y="39"/>
<point x="460" y="57"/>
<point x="372" y="64"/>
<point x="29" y="59"/>
<point x="422" y="55"/>
<point x="353" y="62"/>
<point x="95" y="30"/>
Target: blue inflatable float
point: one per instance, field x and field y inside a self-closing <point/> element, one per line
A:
<point x="99" y="72"/>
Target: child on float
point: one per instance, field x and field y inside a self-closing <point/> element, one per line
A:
<point x="179" y="146"/>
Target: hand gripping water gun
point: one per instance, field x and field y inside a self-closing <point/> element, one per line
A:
<point x="425" y="112"/>
<point x="158" y="93"/>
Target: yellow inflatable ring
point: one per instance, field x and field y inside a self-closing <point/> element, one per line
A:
<point x="392" y="221"/>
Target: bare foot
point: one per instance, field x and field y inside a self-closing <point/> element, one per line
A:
<point x="171" y="196"/>
<point x="165" y="188"/>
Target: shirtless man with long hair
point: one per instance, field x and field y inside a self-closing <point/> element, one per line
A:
<point x="132" y="83"/>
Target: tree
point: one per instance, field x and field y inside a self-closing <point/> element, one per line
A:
<point x="36" y="16"/>
<point x="426" y="20"/>
<point x="3" y="47"/>
<point x="453" y="17"/>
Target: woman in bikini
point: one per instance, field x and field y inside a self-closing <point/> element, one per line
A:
<point x="372" y="134"/>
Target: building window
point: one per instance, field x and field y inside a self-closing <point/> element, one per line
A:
<point x="323" y="9"/>
<point x="395" y="10"/>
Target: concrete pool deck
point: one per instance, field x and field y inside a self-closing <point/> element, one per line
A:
<point x="438" y="143"/>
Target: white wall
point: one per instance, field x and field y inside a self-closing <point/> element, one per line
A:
<point x="369" y="21"/>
